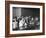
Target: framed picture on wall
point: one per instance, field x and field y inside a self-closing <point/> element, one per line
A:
<point x="24" y="19"/>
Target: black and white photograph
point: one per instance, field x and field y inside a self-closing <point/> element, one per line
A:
<point x="25" y="18"/>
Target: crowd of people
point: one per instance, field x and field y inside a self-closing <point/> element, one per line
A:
<point x="25" y="23"/>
